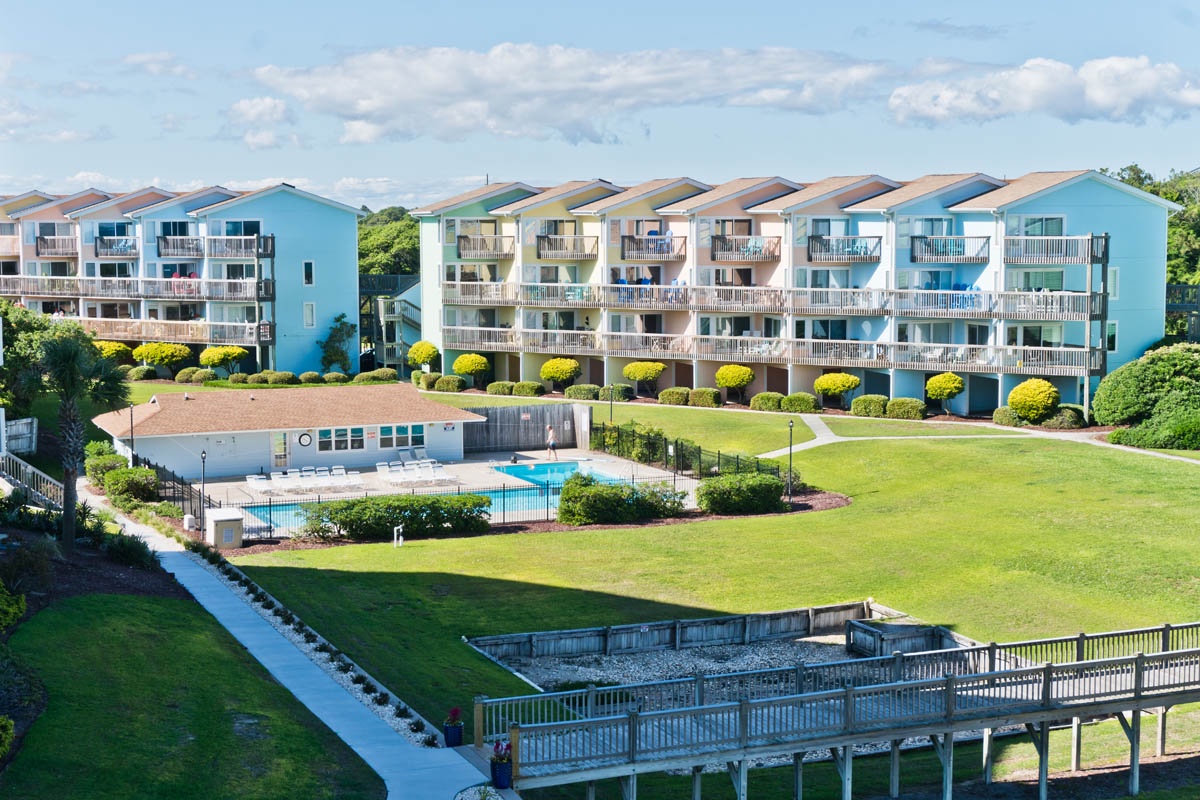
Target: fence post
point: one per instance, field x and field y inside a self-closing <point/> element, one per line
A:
<point x="699" y="689"/>
<point x="633" y="736"/>
<point x="744" y="721"/>
<point x="800" y="678"/>
<point x="1047" y="676"/>
<point x="591" y="700"/>
<point x="992" y="657"/>
<point x="1080" y="646"/>
<point x="898" y="667"/>
<point x="1165" y="647"/>
<point x="678" y="632"/>
<point x="950" y="696"/>
<point x="848" y="707"/>
<point x="514" y="741"/>
<point x="479" y="719"/>
<point x="1139" y="666"/>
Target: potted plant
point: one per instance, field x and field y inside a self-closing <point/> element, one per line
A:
<point x="502" y="767"/>
<point x="452" y="728"/>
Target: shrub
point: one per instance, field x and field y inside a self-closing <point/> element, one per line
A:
<point x="137" y="483"/>
<point x="223" y="356"/>
<point x="741" y="493"/>
<point x="450" y="383"/>
<point x="945" y="386"/>
<point x="98" y="466"/>
<point x="168" y="510"/>
<point x="7" y="735"/>
<point x="1033" y="400"/>
<point x="586" y="501"/>
<point x="282" y="378"/>
<point x="12" y="608"/>
<point x="675" y="396"/>
<point x="766" y="401"/>
<point x="311" y="377"/>
<point x="386" y="375"/>
<point x="336" y="377"/>
<point x="117" y="352"/>
<point x="472" y="365"/>
<point x="528" y="389"/>
<point x="583" y="391"/>
<point x="800" y="403"/>
<point x="647" y="372"/>
<point x="100" y="447"/>
<point x="561" y="371"/>
<point x="371" y="519"/>
<point x="500" y="387"/>
<point x="869" y="405"/>
<point x="202" y="375"/>
<point x="1130" y="393"/>
<point x="1067" y="418"/>
<point x="163" y="354"/>
<point x="258" y="378"/>
<point x="704" y="398"/>
<point x="836" y="384"/>
<point x="129" y="551"/>
<point x="142" y="373"/>
<point x="185" y="375"/>
<point x="619" y="392"/>
<point x="428" y="379"/>
<point x="31" y="568"/>
<point x="1174" y="428"/>
<point x="124" y="369"/>
<point x="422" y="353"/>
<point x="1007" y="417"/>
<point x="735" y="377"/>
<point x="239" y="378"/>
<point x="906" y="408"/>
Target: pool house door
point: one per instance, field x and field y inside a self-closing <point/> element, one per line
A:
<point x="279" y="450"/>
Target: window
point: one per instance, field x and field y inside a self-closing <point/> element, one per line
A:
<point x="830" y="278"/>
<point x="731" y="227"/>
<point x="931" y="226"/>
<point x="401" y="436"/>
<point x="10" y="268"/>
<point x="239" y="272"/>
<point x="310" y="315"/>
<point x="1034" y="336"/>
<point x="1050" y="280"/>
<point x="1114" y="285"/>
<point x="923" y="332"/>
<point x="449" y="235"/>
<point x="1016" y="225"/>
<point x="724" y="326"/>
<point x="242" y="227"/>
<point x="8" y="229"/>
<point x="340" y="439"/>
<point x="470" y="227"/>
<point x="114" y="229"/>
<point x="822" y="226"/>
<point x="54" y="229"/>
<point x="978" y="334"/>
<point x="472" y="273"/>
<point x="1110" y="337"/>
<point x="174" y="227"/>
<point x="772" y="327"/>
<point x="308" y="273"/>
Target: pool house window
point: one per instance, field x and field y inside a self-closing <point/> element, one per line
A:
<point x="401" y="436"/>
<point x="339" y="439"/>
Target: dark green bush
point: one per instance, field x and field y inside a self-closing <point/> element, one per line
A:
<point x="906" y="408"/>
<point x="620" y="392"/>
<point x="258" y="378"/>
<point x="202" y="375"/>
<point x="1006" y="416"/>
<point x="168" y="510"/>
<point x="586" y="501"/>
<point x="704" y="398"/>
<point x="12" y="608"/>
<point x="583" y="391"/>
<point x="869" y="405"/>
<point x="185" y="375"/>
<point x="800" y="403"/>
<point x="1083" y="415"/>
<point x="371" y="519"/>
<point x="96" y="468"/>
<point x="282" y="378"/>
<point x="130" y="551"/>
<point x="528" y="389"/>
<point x="675" y="396"/>
<point x="239" y="378"/>
<point x="387" y="375"/>
<point x="633" y="440"/>
<point x="428" y="379"/>
<point x="1176" y="428"/>
<point x="100" y="447"/>
<point x="500" y="387"/>
<point x="7" y="735"/>
<point x="741" y="493"/>
<point x="766" y="401"/>
<point x="311" y="377"/>
<point x="142" y="373"/>
<point x="124" y="369"/>
<point x="1067" y="418"/>
<point x="137" y="483"/>
<point x="1130" y="393"/>
<point x="450" y="383"/>
<point x="336" y="377"/>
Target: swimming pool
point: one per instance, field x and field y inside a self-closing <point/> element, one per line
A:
<point x="553" y="473"/>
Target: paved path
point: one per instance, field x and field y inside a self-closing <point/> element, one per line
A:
<point x="408" y="771"/>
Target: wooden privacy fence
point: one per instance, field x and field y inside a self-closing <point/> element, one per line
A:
<point x="867" y="639"/>
<point x="21" y="435"/>
<point x="524" y="427"/>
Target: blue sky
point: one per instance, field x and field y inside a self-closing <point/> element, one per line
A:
<point x="380" y="103"/>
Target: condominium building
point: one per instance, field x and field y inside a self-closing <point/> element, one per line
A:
<point x="267" y="270"/>
<point x="1058" y="275"/>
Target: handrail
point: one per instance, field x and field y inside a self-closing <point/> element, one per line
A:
<point x="44" y="489"/>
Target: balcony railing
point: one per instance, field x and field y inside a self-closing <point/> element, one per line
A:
<point x="266" y="290"/>
<point x="57" y="246"/>
<point x="844" y="249"/>
<point x="116" y="247"/>
<point x="241" y="246"/>
<point x="39" y="285"/>
<point x="180" y="247"/>
<point x="653" y="248"/>
<point x="638" y="345"/>
<point x="640" y="295"/>
<point x="486" y="293"/>
<point x="566" y="295"/>
<point x="266" y="246"/>
<point x="191" y="289"/>
<point x="378" y="284"/>
<point x="565" y="342"/>
<point x="1069" y="361"/>
<point x="503" y="339"/>
<point x="568" y="248"/>
<point x="486" y="247"/>
<point x="145" y="330"/>
<point x="1183" y="297"/>
<point x="10" y="245"/>
<point x="997" y="305"/>
<point x="745" y="248"/>
<point x="1056" y="249"/>
<point x="950" y="249"/>
<point x="109" y="287"/>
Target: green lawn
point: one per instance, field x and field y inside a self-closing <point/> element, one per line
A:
<point x="859" y="427"/>
<point x="1192" y="454"/>
<point x="151" y="698"/>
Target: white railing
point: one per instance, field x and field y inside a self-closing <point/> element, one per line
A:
<point x="180" y="247"/>
<point x="10" y="245"/>
<point x="566" y="342"/>
<point x="950" y="249"/>
<point x="494" y="338"/>
<point x="232" y="246"/>
<point x="997" y="305"/>
<point x="633" y="345"/>
<point x="144" y="330"/>
<point x="109" y="287"/>
<point x="568" y="248"/>
<point x="51" y="286"/>
<point x="844" y="249"/>
<point x="653" y="248"/>
<point x="569" y="295"/>
<point x="485" y="246"/>
<point x="116" y="247"/>
<point x="46" y="491"/>
<point x="745" y="248"/>
<point x="57" y="246"/>
<point x="479" y="292"/>
<point x="1055" y="249"/>
<point x="199" y="289"/>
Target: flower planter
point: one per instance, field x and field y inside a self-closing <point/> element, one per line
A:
<point x="453" y="734"/>
<point x="502" y="774"/>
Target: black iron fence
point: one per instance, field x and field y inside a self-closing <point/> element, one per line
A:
<point x="174" y="489"/>
<point x="681" y="456"/>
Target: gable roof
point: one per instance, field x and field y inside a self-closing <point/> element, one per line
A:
<point x="559" y="192"/>
<point x="920" y="188"/>
<point x="270" y="190"/>
<point x="61" y="200"/>
<point x="474" y="195"/>
<point x="820" y="190"/>
<point x="1034" y="184"/>
<point x="244" y="410"/>
<point x="721" y="193"/>
<point x="120" y="198"/>
<point x="635" y="193"/>
<point x="182" y="198"/>
<point x="16" y="198"/>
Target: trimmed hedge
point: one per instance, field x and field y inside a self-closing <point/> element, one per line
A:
<point x="1177" y="428"/>
<point x="586" y="501"/>
<point x="766" y="401"/>
<point x="428" y="379"/>
<point x="583" y="391"/>
<point x="258" y="378"/>
<point x="311" y="377"/>
<point x="117" y="352"/>
<point x="202" y="375"/>
<point x="647" y="372"/>
<point x="371" y="519"/>
<point x="500" y="387"/>
<point x="675" y="396"/>
<point x="561" y="370"/>
<point x="282" y="378"/>
<point x="869" y="405"/>
<point x="1007" y="417"/>
<point x="239" y="378"/>
<point x="1067" y="418"/>
<point x="836" y="384"/>
<point x="906" y="408"/>
<point x="705" y="398"/>
<point x="142" y="373"/>
<point x="450" y="383"/>
<point x="1131" y="393"/>
<point x="335" y="377"/>
<point x="741" y="493"/>
<point x="800" y="403"/>
<point x="734" y="376"/>
<point x="528" y="389"/>
<point x="185" y="375"/>
<point x="388" y="375"/>
<point x="1034" y="400"/>
<point x="138" y="483"/>
<point x="620" y="392"/>
<point x="945" y="386"/>
<point x="98" y="466"/>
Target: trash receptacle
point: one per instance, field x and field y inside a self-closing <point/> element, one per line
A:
<point x="223" y="528"/>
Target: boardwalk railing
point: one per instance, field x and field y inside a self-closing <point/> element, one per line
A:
<point x="44" y="490"/>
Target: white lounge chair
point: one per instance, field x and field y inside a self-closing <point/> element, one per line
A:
<point x="259" y="483"/>
<point x="420" y="454"/>
<point x="441" y="476"/>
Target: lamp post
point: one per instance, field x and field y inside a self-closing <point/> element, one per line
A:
<point x="791" y="426"/>
<point x="203" y="501"/>
<point x="131" y="456"/>
<point x="610" y="401"/>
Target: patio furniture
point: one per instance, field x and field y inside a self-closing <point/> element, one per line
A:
<point x="421" y="455"/>
<point x="259" y="483"/>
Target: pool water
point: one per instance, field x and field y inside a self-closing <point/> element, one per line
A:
<point x="552" y="473"/>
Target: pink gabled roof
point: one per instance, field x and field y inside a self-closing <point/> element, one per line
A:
<point x="63" y="200"/>
<point x="635" y="193"/>
<point x="721" y="193"/>
<point x="917" y="189"/>
<point x="818" y="190"/>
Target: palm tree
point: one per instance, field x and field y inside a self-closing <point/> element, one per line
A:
<point x="73" y="370"/>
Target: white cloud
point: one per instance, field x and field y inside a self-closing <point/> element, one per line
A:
<point x="259" y="111"/>
<point x="260" y="139"/>
<point x="525" y="90"/>
<point x="1114" y="89"/>
<point x="159" y="63"/>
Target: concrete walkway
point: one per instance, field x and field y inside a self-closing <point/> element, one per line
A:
<point x="408" y="771"/>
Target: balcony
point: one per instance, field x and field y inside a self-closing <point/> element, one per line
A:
<point x="950" y="250"/>
<point x="568" y="248"/>
<point x="39" y="285"/>
<point x="266" y="246"/>
<point x="1056" y="249"/>
<point x="562" y="342"/>
<point x="400" y="311"/>
<point x="116" y="247"/>
<point x="266" y="332"/>
<point x="844" y="249"/>
<point x="378" y="284"/>
<point x="266" y="290"/>
<point x="1182" y="297"/>
<point x="1062" y="361"/>
<point x="745" y="248"/>
<point x="843" y="302"/>
<point x="153" y="330"/>
<point x="653" y="248"/>
<point x="639" y="345"/>
<point x="110" y="287"/>
<point x="192" y="289"/>
<point x="10" y="246"/>
<point x="180" y="247"/>
<point x="479" y="293"/>
<point x="640" y="295"/>
<point x="241" y="246"/>
<point x="61" y="246"/>
<point x="998" y="305"/>
<point x="560" y="295"/>
<point x="486" y="247"/>
<point x="467" y="338"/>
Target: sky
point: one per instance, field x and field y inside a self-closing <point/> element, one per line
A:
<point x="384" y="103"/>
